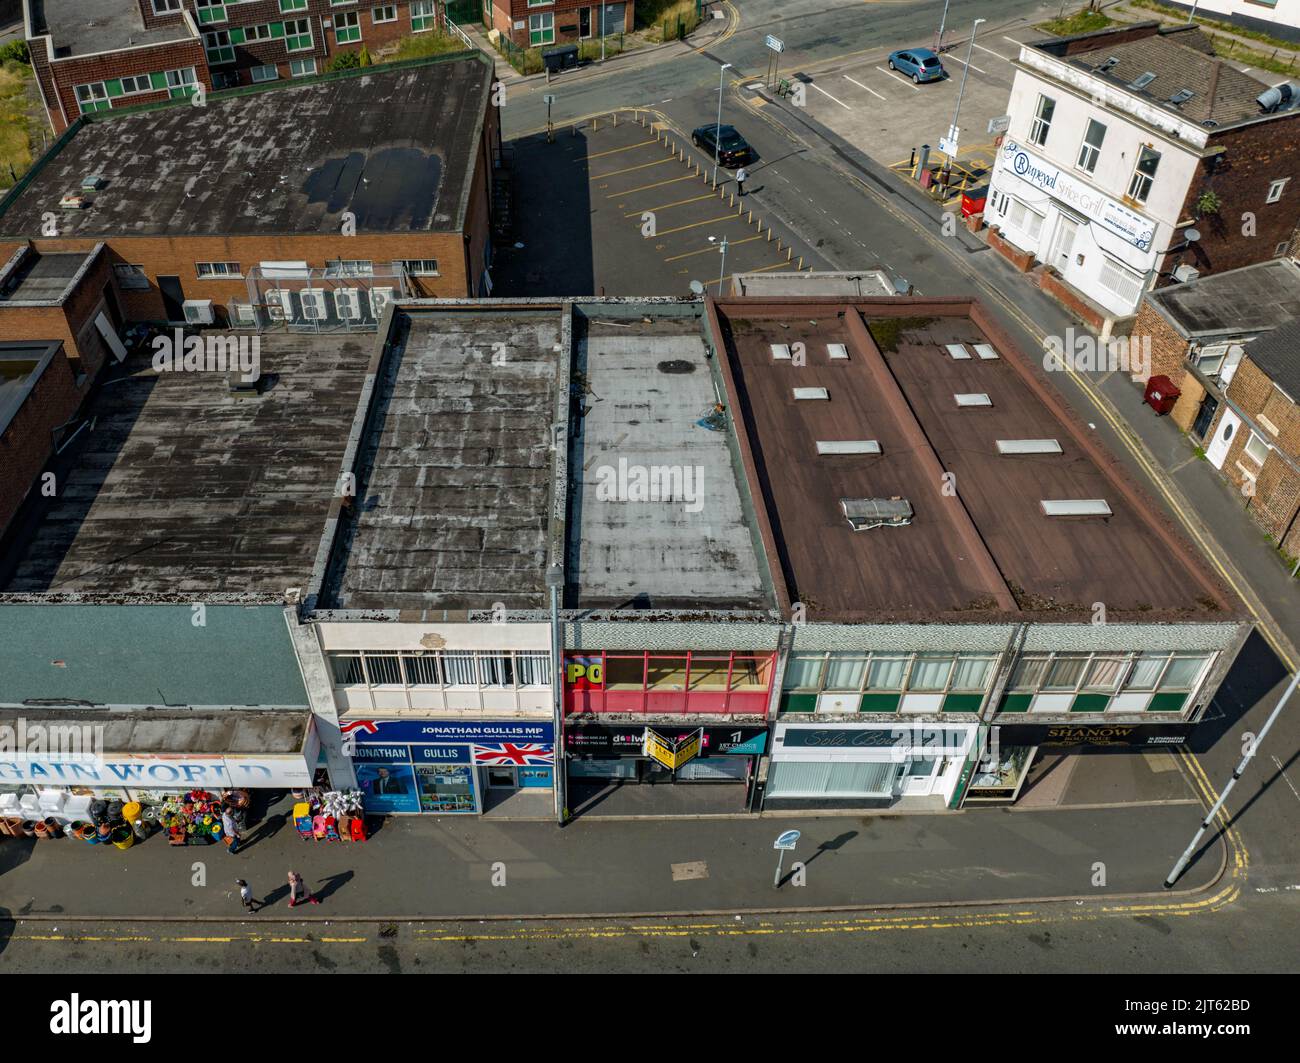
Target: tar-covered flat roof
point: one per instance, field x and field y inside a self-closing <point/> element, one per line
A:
<point x="395" y="147"/>
<point x="174" y="488"/>
<point x="979" y="542"/>
<point x="656" y="514"/>
<point x="454" y="468"/>
<point x="1253" y="298"/>
<point x="86" y="27"/>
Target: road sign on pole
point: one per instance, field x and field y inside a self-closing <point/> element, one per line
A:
<point x="1000" y="124"/>
<point x="775" y="43"/>
<point x="783" y="844"/>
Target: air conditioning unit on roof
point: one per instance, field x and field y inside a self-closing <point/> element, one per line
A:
<point x="198" y="312"/>
<point x="866" y="513"/>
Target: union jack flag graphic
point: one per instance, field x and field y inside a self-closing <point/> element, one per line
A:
<point x="518" y="753"/>
<point x="369" y="726"/>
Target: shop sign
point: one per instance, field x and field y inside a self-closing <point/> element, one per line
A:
<point x="1124" y="223"/>
<point x="584" y="673"/>
<point x="658" y="748"/>
<point x="418" y="777"/>
<point x="714" y="741"/>
<point x="161" y="771"/>
<point x="371" y="732"/>
<point x="1141" y="734"/>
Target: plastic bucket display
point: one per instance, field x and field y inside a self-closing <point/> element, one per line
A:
<point x="123" y="837"/>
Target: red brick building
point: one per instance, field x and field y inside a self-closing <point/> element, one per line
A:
<point x="531" y="24"/>
<point x="295" y="204"/>
<point x="93" y="55"/>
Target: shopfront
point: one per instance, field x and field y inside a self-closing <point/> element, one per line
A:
<point x="714" y="682"/>
<point x="865" y="765"/>
<point x="441" y="767"/>
<point x="58" y="766"/>
<point x="659" y="754"/>
<point x="1000" y="772"/>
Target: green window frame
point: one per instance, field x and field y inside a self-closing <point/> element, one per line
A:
<point x="92" y="96"/>
<point x="422" y="15"/>
<point x="181" y="82"/>
<point x="347" y="32"/>
<point x="218" y="48"/>
<point x="541" y="28"/>
<point x="297" y="35"/>
<point x="302" y="68"/>
<point x="211" y="11"/>
<point x="287" y="7"/>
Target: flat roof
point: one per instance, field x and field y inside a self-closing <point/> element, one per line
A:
<point x="454" y="469"/>
<point x="235" y="731"/>
<point x="174" y="488"/>
<point x="396" y="147"/>
<point x="1253" y="298"/>
<point x="41" y="276"/>
<point x="1182" y="60"/>
<point x="656" y="515"/>
<point x="979" y="543"/>
<point x="86" y="27"/>
<point x="21" y="366"/>
<point x="852" y="283"/>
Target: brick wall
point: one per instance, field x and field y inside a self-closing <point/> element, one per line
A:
<point x="1070" y="299"/>
<point x="1255" y="156"/>
<point x="73" y="322"/>
<point x="1022" y="260"/>
<point x="1168" y="348"/>
<point x="28" y="442"/>
<point x="567" y="19"/>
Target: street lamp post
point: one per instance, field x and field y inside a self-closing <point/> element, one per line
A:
<point x="938" y="44"/>
<point x="722" y="273"/>
<point x="961" y="91"/>
<point x="717" y="128"/>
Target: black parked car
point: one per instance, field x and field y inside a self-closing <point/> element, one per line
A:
<point x="731" y="146"/>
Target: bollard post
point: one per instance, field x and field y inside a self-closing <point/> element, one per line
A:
<point x="789" y="252"/>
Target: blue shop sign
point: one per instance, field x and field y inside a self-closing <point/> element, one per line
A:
<point x="378" y="732"/>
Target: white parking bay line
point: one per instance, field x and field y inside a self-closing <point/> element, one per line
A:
<point x="899" y="77"/>
<point x="992" y="52"/>
<point x="862" y="86"/>
<point x="971" y="65"/>
<point x="1012" y="40"/>
<point x="830" y="97"/>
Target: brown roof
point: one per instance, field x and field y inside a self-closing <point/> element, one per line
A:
<point x="1180" y="57"/>
<point x="987" y="550"/>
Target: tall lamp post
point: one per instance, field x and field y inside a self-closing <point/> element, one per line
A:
<point x="943" y="21"/>
<point x="717" y="128"/>
<point x="722" y="273"/>
<point x="970" y="52"/>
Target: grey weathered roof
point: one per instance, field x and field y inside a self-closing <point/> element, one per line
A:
<point x="1250" y="299"/>
<point x="271" y="732"/>
<point x="645" y="386"/>
<point x="1277" y="354"/>
<point x="41" y="277"/>
<point x="178" y="489"/>
<point x="85" y="27"/>
<point x="396" y="147"/>
<point x="1181" y="58"/>
<point x="454" y="471"/>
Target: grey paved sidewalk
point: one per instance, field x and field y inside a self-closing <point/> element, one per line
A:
<point x="445" y="867"/>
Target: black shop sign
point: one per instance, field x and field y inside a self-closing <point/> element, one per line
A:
<point x="1093" y="735"/>
<point x="602" y="741"/>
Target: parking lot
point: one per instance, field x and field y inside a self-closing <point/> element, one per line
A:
<point x="629" y="208"/>
<point x="882" y="112"/>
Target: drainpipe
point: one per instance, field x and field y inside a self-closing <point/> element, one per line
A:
<point x="559" y="780"/>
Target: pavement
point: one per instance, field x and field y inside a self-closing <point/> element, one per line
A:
<point x="461" y="867"/>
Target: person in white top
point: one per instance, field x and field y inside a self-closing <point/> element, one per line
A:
<point x="742" y="175"/>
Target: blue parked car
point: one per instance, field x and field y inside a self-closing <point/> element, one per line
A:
<point x="920" y="64"/>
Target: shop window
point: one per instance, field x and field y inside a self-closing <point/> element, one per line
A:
<point x="533" y="669"/>
<point x="930" y="672"/>
<point x="972" y="673"/>
<point x="751" y="673"/>
<point x="497" y="670"/>
<point x="709" y="673"/>
<point x="886" y="673"/>
<point x="385" y="670"/>
<point x="424" y="671"/>
<point x="625" y="673"/>
<point x="845" y="671"/>
<point x="1066" y="672"/>
<point x="666" y="673"/>
<point x="1029" y="222"/>
<point x="1104" y="673"/>
<point x="1029" y="673"/>
<point x="804" y="672"/>
<point x="346" y="668"/>
<point x="1182" y="673"/>
<point x="1146" y="671"/>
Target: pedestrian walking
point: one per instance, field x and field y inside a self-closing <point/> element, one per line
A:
<point x="246" y="895"/>
<point x="299" y="891"/>
<point x="229" y="831"/>
<point x="742" y="175"/>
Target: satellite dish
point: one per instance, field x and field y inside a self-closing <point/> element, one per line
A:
<point x="1191" y="235"/>
<point x="697" y="287"/>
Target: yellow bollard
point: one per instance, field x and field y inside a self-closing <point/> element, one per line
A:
<point x="789" y="252"/>
<point x="801" y="262"/>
